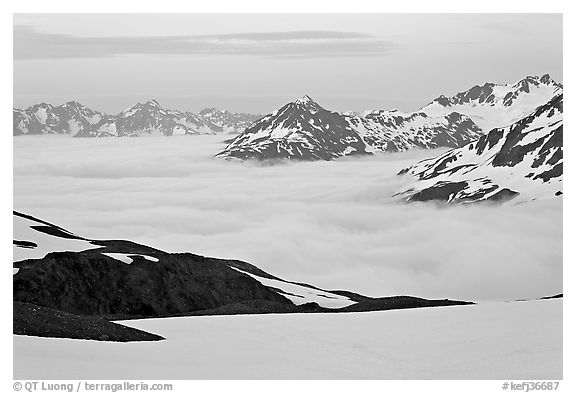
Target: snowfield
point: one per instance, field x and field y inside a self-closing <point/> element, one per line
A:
<point x="508" y="341"/>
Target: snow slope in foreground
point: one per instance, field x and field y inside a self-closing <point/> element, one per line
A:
<point x="41" y="243"/>
<point x="516" y="340"/>
<point x="300" y="294"/>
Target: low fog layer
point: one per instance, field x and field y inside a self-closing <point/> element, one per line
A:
<point x="331" y="224"/>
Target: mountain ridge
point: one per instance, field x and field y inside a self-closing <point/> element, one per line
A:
<point x="148" y="118"/>
<point x="64" y="276"/>
<point x="304" y="130"/>
<point x="522" y="161"/>
<point x="495" y="105"/>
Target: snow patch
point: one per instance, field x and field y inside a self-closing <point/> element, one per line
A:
<point x="300" y="294"/>
<point x="46" y="243"/>
<point x="127" y="258"/>
<point x="41" y="115"/>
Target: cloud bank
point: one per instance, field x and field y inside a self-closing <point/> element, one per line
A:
<point x="30" y="44"/>
<point x="332" y="224"/>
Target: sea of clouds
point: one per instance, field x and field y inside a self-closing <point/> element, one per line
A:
<point x="331" y="224"/>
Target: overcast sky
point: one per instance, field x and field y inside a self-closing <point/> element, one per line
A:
<point x="258" y="62"/>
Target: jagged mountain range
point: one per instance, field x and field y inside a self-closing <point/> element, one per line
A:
<point x="66" y="285"/>
<point x="522" y="161"/>
<point x="149" y="118"/>
<point x="303" y="130"/>
<point x="497" y="105"/>
<point x="396" y="131"/>
<point x="69" y="118"/>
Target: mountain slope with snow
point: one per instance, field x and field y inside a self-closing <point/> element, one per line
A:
<point x="300" y="130"/>
<point x="493" y="105"/>
<point x="522" y="161"/>
<point x="70" y="118"/>
<point x="303" y="130"/>
<point x="141" y="119"/>
<point x="148" y="118"/>
<point x="44" y="252"/>
<point x="395" y="131"/>
<point x="66" y="275"/>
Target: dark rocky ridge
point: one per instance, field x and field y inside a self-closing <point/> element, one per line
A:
<point x="559" y="296"/>
<point x="90" y="283"/>
<point x="77" y="292"/>
<point x="33" y="320"/>
<point x="399" y="302"/>
<point x="365" y="305"/>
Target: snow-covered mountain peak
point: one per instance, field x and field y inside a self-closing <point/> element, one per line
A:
<point x="301" y="130"/>
<point x="303" y="106"/>
<point x="306" y="99"/>
<point x="207" y="111"/>
<point x="546" y="79"/>
<point x="73" y="104"/>
<point x="497" y="105"/>
<point x="41" y="105"/>
<point x="228" y="122"/>
<point x="147" y="118"/>
<point x="153" y="103"/>
<point x="523" y="161"/>
<point x="149" y="107"/>
<point x="304" y="130"/>
<point x="492" y="93"/>
<point x="388" y="113"/>
<point x="148" y="104"/>
<point x="537" y="81"/>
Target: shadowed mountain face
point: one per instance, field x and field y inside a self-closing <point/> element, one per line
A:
<point x="495" y="106"/>
<point x="93" y="283"/>
<point x="88" y="277"/>
<point x="523" y="161"/>
<point x="149" y="118"/>
<point x="303" y="130"/>
<point x="59" y="269"/>
<point x="69" y="276"/>
<point x="300" y="130"/>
